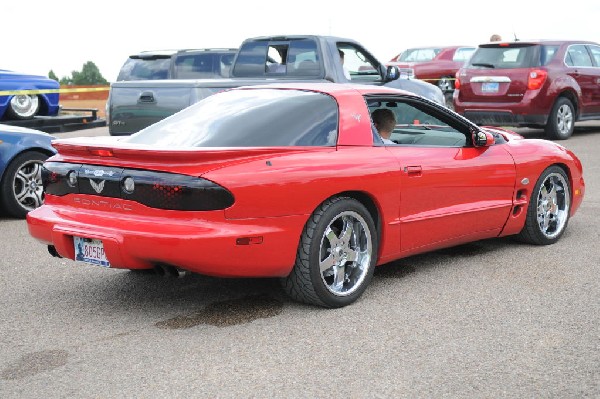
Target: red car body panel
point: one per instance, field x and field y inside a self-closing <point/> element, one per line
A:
<point x="442" y="65"/>
<point x="424" y="198"/>
<point x="514" y="104"/>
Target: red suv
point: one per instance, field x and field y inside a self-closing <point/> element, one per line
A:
<point x="438" y="65"/>
<point x="544" y="84"/>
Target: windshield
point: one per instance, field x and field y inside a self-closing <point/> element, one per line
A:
<point x="249" y="118"/>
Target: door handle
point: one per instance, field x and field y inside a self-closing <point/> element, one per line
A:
<point x="413" y="170"/>
<point x="146" y="97"/>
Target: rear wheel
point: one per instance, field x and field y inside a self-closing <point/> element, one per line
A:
<point x="336" y="255"/>
<point x="549" y="208"/>
<point x="23" y="106"/>
<point x="561" y="121"/>
<point x="22" y="189"/>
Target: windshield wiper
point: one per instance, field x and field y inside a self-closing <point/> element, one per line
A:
<point x="483" y="64"/>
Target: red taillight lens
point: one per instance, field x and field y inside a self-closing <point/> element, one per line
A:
<point x="536" y="79"/>
<point x="101" y="152"/>
<point x="456" y="81"/>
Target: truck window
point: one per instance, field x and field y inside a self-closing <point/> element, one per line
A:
<point x="358" y="64"/>
<point x="295" y="57"/>
<point x="150" y="68"/>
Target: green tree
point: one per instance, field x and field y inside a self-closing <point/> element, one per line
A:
<point x="52" y="75"/>
<point x="89" y="75"/>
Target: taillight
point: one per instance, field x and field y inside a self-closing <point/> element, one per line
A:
<point x="154" y="189"/>
<point x="536" y="79"/>
<point x="456" y="81"/>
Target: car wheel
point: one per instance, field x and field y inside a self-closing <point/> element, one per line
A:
<point x="549" y="208"/>
<point x="336" y="255"/>
<point x="23" y="106"/>
<point x="22" y="189"/>
<point x="445" y="84"/>
<point x="561" y="121"/>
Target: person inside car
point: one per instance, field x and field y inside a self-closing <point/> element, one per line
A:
<point x="385" y="122"/>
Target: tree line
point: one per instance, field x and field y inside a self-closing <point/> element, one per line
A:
<point x="89" y="75"/>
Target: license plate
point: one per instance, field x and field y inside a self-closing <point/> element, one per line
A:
<point x="490" y="87"/>
<point x="90" y="250"/>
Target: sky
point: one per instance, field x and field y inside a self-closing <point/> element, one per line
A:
<point x="62" y="35"/>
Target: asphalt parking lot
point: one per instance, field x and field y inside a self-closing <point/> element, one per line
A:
<point x="493" y="318"/>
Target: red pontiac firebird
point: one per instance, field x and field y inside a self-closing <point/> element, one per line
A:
<point x="293" y="181"/>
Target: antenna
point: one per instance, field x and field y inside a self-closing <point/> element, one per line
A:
<point x="516" y="38"/>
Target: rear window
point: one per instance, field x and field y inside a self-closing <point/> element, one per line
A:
<point x="297" y="57"/>
<point x="512" y="56"/>
<point x="203" y="65"/>
<point x="249" y="118"/>
<point x="145" y="68"/>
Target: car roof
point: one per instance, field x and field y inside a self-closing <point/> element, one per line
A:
<point x="333" y="89"/>
<point x="170" y="52"/>
<point x="535" y="41"/>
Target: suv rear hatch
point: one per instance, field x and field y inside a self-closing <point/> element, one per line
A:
<point x="503" y="72"/>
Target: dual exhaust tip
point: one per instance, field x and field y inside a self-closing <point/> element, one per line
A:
<point x="160" y="269"/>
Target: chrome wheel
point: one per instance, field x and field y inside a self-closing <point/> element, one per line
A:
<point x="564" y="119"/>
<point x="553" y="204"/>
<point x="345" y="253"/>
<point x="27" y="185"/>
<point x="549" y="208"/>
<point x="336" y="255"/>
<point x="445" y="84"/>
<point x="24" y="106"/>
<point x="561" y="121"/>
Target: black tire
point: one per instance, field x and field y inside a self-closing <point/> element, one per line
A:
<point x="352" y="256"/>
<point x="561" y="121"/>
<point x="21" y="184"/>
<point x="23" y="107"/>
<point x="548" y="209"/>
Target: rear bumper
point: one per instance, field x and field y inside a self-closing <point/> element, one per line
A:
<point x="200" y="245"/>
<point x="503" y="118"/>
<point x="531" y="110"/>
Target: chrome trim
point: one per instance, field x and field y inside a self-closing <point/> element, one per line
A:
<point x="491" y="79"/>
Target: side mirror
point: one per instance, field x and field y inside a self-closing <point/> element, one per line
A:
<point x="483" y="139"/>
<point x="392" y="73"/>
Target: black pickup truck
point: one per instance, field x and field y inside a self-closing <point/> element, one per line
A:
<point x="134" y="105"/>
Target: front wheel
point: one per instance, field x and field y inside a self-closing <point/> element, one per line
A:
<point x="561" y="121"/>
<point x="549" y="208"/>
<point x="22" y="189"/>
<point x="336" y="255"/>
<point x="23" y="106"/>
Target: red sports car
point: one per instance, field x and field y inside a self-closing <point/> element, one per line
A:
<point x="438" y="65"/>
<point x="293" y="181"/>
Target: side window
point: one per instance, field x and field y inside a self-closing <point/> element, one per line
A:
<point x="357" y="64"/>
<point x="417" y="124"/>
<point x="595" y="50"/>
<point x="463" y="54"/>
<point x="578" y="56"/>
<point x="303" y="58"/>
<point x="547" y="53"/>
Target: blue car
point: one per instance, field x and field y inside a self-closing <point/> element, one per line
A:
<point x="22" y="153"/>
<point x="26" y="106"/>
